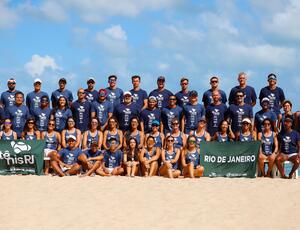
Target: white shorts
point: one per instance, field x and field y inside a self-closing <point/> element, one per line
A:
<point x="46" y="154"/>
<point x="290" y="155"/>
<point x="110" y="170"/>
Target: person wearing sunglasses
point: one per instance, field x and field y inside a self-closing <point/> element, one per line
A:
<point x="70" y="130"/>
<point x="170" y="157"/>
<point x="179" y="137"/>
<point x="81" y="110"/>
<point x="7" y="133"/>
<point x="8" y="97"/>
<point x="94" y="134"/>
<point x="207" y="95"/>
<point x="246" y="134"/>
<point x="183" y="95"/>
<point x="90" y="93"/>
<point x="190" y="159"/>
<point x="149" y="157"/>
<point x="268" y="148"/>
<point x="238" y="111"/>
<point x="30" y="131"/>
<point x="53" y="143"/>
<point x="42" y="114"/>
<point x="156" y="134"/>
<point x="249" y="91"/>
<point x="112" y="132"/>
<point x="201" y="134"/>
<point x="33" y="99"/>
<point x="114" y="94"/>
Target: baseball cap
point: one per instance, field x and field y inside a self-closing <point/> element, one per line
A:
<point x="193" y="93"/>
<point x="63" y="80"/>
<point x="37" y="80"/>
<point x="161" y="78"/>
<point x="289" y="118"/>
<point x="155" y="123"/>
<point x="102" y="92"/>
<point x="246" y="120"/>
<point x="265" y="99"/>
<point x="90" y="79"/>
<point x="152" y="98"/>
<point x="11" y="80"/>
<point x="72" y="137"/>
<point x="272" y="76"/>
<point x="127" y="93"/>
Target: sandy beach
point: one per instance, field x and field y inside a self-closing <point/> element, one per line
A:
<point x="40" y="202"/>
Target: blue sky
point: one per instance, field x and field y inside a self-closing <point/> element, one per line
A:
<point x="174" y="38"/>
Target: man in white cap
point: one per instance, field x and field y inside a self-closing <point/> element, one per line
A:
<point x="125" y="111"/>
<point x="8" y="97"/>
<point x="65" y="162"/>
<point x="274" y="93"/>
<point x="90" y="93"/>
<point x="33" y="99"/>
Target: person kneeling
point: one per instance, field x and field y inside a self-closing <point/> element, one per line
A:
<point x="191" y="159"/>
<point x="91" y="160"/>
<point x="65" y="162"/>
<point x="113" y="158"/>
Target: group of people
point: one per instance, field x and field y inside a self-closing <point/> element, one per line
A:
<point x="111" y="132"/>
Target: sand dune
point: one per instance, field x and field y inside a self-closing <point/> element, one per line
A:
<point x="33" y="202"/>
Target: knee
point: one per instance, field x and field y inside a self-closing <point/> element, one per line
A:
<point x="82" y="158"/>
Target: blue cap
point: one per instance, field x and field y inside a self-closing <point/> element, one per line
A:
<point x="155" y="123"/>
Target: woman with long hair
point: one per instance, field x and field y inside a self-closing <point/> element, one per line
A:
<point x="179" y="137"/>
<point x="200" y="133"/>
<point x="170" y="157"/>
<point x="190" y="159"/>
<point x="149" y="157"/>
<point x="131" y="157"/>
<point x="158" y="136"/>
<point x="7" y="133"/>
<point x="93" y="134"/>
<point x="68" y="131"/>
<point x="225" y="133"/>
<point x="134" y="132"/>
<point x="61" y="113"/>
<point x="112" y="132"/>
<point x="30" y="131"/>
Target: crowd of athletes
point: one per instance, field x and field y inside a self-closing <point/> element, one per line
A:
<point x="111" y="132"/>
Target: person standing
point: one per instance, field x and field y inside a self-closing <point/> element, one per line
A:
<point x="42" y="114"/>
<point x="161" y="93"/>
<point x="61" y="91"/>
<point x="90" y="93"/>
<point x="182" y="96"/>
<point x="114" y="94"/>
<point x="8" y="97"/>
<point x="150" y="114"/>
<point x="207" y="96"/>
<point x="139" y="96"/>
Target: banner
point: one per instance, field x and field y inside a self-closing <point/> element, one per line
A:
<point x="21" y="157"/>
<point x="232" y="159"/>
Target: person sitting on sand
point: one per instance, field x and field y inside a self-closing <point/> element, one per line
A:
<point x="289" y="141"/>
<point x="91" y="160"/>
<point x="268" y="148"/>
<point x="113" y="158"/>
<point x="149" y="157"/>
<point x="131" y="157"/>
<point x="170" y="156"/>
<point x="190" y="158"/>
<point x="65" y="162"/>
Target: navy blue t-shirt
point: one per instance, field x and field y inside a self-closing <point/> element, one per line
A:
<point x="89" y="153"/>
<point x="102" y="109"/>
<point x="148" y="116"/>
<point x="58" y="93"/>
<point x="250" y="95"/>
<point x="182" y="98"/>
<point x="91" y="95"/>
<point x="138" y="97"/>
<point x="42" y="117"/>
<point x="214" y="115"/>
<point x="61" y="116"/>
<point x="124" y="113"/>
<point x="162" y="97"/>
<point x="69" y="156"/>
<point x="207" y="97"/>
<point x="289" y="142"/>
<point x="33" y="100"/>
<point x="81" y="113"/>
<point x="8" y="98"/>
<point x="18" y="115"/>
<point x="261" y="115"/>
<point x="113" y="160"/>
<point x="167" y="114"/>
<point x="275" y="96"/>
<point x="237" y="114"/>
<point x="192" y="114"/>
<point x="114" y="96"/>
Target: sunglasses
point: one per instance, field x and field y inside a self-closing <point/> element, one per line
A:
<point x="214" y="82"/>
<point x="192" y="142"/>
<point x="51" y="124"/>
<point x="175" y="123"/>
<point x="31" y="123"/>
<point x="170" y="140"/>
<point x="81" y="92"/>
<point x="267" y="124"/>
<point x="172" y="99"/>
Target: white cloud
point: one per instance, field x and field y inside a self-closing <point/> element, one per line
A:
<point x="38" y="65"/>
<point x="8" y="17"/>
<point x="113" y="40"/>
<point x="287" y="22"/>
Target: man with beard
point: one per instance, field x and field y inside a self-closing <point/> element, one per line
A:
<point x="61" y="91"/>
<point x="149" y="114"/>
<point x="8" y="97"/>
<point x="90" y="93"/>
